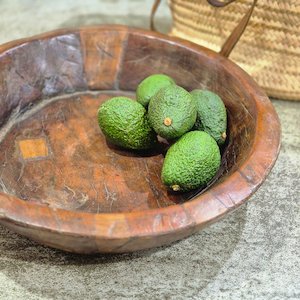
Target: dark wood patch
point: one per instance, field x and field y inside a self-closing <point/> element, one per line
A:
<point x="40" y="69"/>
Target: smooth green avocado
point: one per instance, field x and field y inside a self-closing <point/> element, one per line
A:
<point x="150" y="86"/>
<point x="211" y="114"/>
<point x="124" y="123"/>
<point x="191" y="162"/>
<point x="172" y="112"/>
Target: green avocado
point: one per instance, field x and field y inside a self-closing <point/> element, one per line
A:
<point x="172" y="112"/>
<point x="124" y="123"/>
<point x="191" y="162"/>
<point x="150" y="86"/>
<point x="211" y="114"/>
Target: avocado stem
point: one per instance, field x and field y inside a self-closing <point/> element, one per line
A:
<point x="167" y="121"/>
<point x="175" y="187"/>
<point x="224" y="135"/>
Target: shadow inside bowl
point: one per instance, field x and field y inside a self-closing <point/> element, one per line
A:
<point x="159" y="149"/>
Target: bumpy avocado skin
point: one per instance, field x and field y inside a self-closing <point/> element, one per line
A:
<point x="191" y="162"/>
<point x="211" y="114"/>
<point x="124" y="122"/>
<point x="150" y="86"/>
<point x="177" y="105"/>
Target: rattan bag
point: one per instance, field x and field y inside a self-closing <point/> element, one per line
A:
<point x="269" y="48"/>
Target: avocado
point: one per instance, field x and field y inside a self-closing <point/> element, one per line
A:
<point x="211" y="114"/>
<point x="150" y="86"/>
<point x="124" y="123"/>
<point x="191" y="162"/>
<point x="172" y="112"/>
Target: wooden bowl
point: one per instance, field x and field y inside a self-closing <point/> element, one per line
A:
<point x="64" y="186"/>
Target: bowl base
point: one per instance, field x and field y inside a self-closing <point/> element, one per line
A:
<point x="57" y="156"/>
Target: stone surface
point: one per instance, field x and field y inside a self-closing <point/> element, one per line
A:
<point x="254" y="253"/>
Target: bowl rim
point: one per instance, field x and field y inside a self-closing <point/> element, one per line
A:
<point x="209" y="206"/>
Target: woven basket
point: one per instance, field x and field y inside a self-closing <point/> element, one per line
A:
<point x="269" y="49"/>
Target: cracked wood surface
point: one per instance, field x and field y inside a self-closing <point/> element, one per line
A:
<point x="77" y="192"/>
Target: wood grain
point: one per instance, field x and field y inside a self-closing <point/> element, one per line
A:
<point x="76" y="192"/>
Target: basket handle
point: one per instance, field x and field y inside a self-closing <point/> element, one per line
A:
<point x="234" y="36"/>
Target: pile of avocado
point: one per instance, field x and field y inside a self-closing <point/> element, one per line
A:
<point x="193" y="122"/>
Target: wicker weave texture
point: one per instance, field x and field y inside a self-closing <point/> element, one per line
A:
<point x="269" y="49"/>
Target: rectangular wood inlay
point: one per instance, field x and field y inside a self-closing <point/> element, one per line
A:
<point x="33" y="148"/>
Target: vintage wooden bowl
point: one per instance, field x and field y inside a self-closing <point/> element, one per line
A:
<point x="64" y="186"/>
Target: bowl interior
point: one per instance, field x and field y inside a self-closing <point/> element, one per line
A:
<point x="52" y="151"/>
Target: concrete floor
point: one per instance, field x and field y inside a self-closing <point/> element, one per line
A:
<point x="252" y="254"/>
